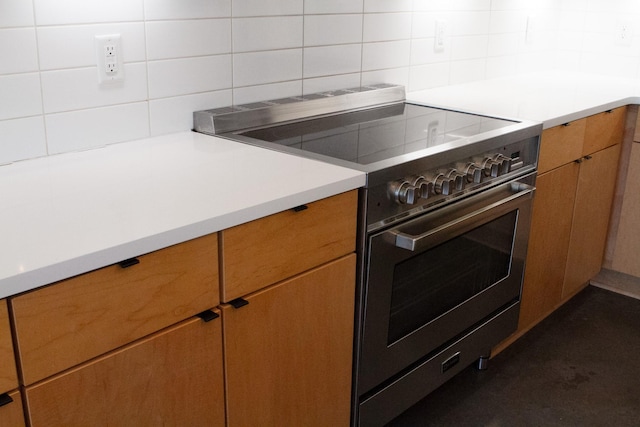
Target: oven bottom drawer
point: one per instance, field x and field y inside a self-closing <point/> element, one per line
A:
<point x="411" y="387"/>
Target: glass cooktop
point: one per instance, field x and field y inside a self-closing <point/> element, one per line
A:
<point x="372" y="135"/>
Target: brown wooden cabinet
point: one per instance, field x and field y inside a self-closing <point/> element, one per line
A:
<point x="69" y="322"/>
<point x="288" y="349"/>
<point x="10" y="401"/>
<point x="121" y="346"/>
<point x="574" y="192"/>
<point x="173" y="377"/>
<point x="11" y="414"/>
<point x="8" y="375"/>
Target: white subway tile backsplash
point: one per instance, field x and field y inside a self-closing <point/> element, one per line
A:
<point x="331" y="60"/>
<point x="176" y="114"/>
<point x="267" y="33"/>
<point x="267" y="67"/>
<point x="16" y="13"/>
<point x="386" y="26"/>
<point x="245" y="95"/>
<point x="186" y="9"/>
<point x="429" y="76"/>
<point x="322" y="84"/>
<point x="467" y="71"/>
<point x="22" y="139"/>
<point x="376" y="56"/>
<point x="468" y="47"/>
<point x="388" y="6"/>
<point x="180" y="39"/>
<point x="175" y="77"/>
<point x="55" y="12"/>
<point x="20" y="96"/>
<point x="333" y="6"/>
<point x="78" y="88"/>
<point x="267" y="7"/>
<point x="190" y="54"/>
<point x="18" y="50"/>
<point x="79" y="44"/>
<point x="399" y="76"/>
<point x="85" y="129"/>
<point x="332" y="29"/>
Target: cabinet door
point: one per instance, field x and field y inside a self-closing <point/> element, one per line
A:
<point x="594" y="197"/>
<point x="11" y="414"/>
<point x="8" y="377"/>
<point x="561" y="144"/>
<point x="548" y="243"/>
<point x="72" y="321"/>
<point x="288" y="353"/>
<point x="173" y="378"/>
<point x="604" y="130"/>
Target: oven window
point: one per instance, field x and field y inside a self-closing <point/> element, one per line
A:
<point x="437" y="280"/>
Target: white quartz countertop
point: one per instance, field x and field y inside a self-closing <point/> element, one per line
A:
<point x="553" y="98"/>
<point x="68" y="214"/>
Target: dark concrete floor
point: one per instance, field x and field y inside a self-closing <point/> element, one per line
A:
<point x="578" y="367"/>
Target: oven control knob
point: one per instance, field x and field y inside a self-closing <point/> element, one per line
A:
<point x="403" y="192"/>
<point x="448" y="183"/>
<point x="491" y="167"/>
<point x="457" y="179"/>
<point x="504" y="163"/>
<point x="473" y="173"/>
<point x="423" y="187"/>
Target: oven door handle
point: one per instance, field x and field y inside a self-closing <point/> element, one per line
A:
<point x="465" y="222"/>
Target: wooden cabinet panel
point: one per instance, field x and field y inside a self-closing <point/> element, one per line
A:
<point x="626" y="257"/>
<point x="548" y="243"/>
<point x="174" y="377"/>
<point x="561" y="144"/>
<point x="8" y="376"/>
<point x="604" y="130"/>
<point x="288" y="353"/>
<point x="594" y="197"/>
<point x="271" y="249"/>
<point x="11" y="414"/>
<point x="72" y="321"/>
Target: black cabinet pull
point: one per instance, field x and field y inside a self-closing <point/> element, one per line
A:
<point x="129" y="262"/>
<point x="238" y="302"/>
<point x="566" y="124"/>
<point x="609" y="111"/>
<point x="588" y="157"/>
<point x="208" y="315"/>
<point x="578" y="160"/>
<point x="300" y="208"/>
<point x="5" y="399"/>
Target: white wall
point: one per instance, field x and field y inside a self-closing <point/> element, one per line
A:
<point x="186" y="55"/>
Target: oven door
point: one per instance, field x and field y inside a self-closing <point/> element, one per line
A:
<point x="433" y="278"/>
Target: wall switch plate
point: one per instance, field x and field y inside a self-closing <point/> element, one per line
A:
<point x="109" y="59"/>
<point x="532" y="29"/>
<point x="441" y="35"/>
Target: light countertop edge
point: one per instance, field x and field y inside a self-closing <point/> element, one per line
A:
<point x="73" y="213"/>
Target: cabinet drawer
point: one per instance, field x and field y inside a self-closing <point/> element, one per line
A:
<point x="271" y="249"/>
<point x="172" y="378"/>
<point x="604" y="130"/>
<point x="561" y="144"/>
<point x="11" y="414"/>
<point x="69" y="322"/>
<point x="8" y="377"/>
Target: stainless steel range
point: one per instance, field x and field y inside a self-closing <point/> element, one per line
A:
<point x="443" y="227"/>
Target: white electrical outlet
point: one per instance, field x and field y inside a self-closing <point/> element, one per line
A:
<point x="441" y="35"/>
<point x="624" y="32"/>
<point x="109" y="59"/>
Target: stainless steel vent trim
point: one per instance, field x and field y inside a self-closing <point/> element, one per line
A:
<point x="228" y="119"/>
